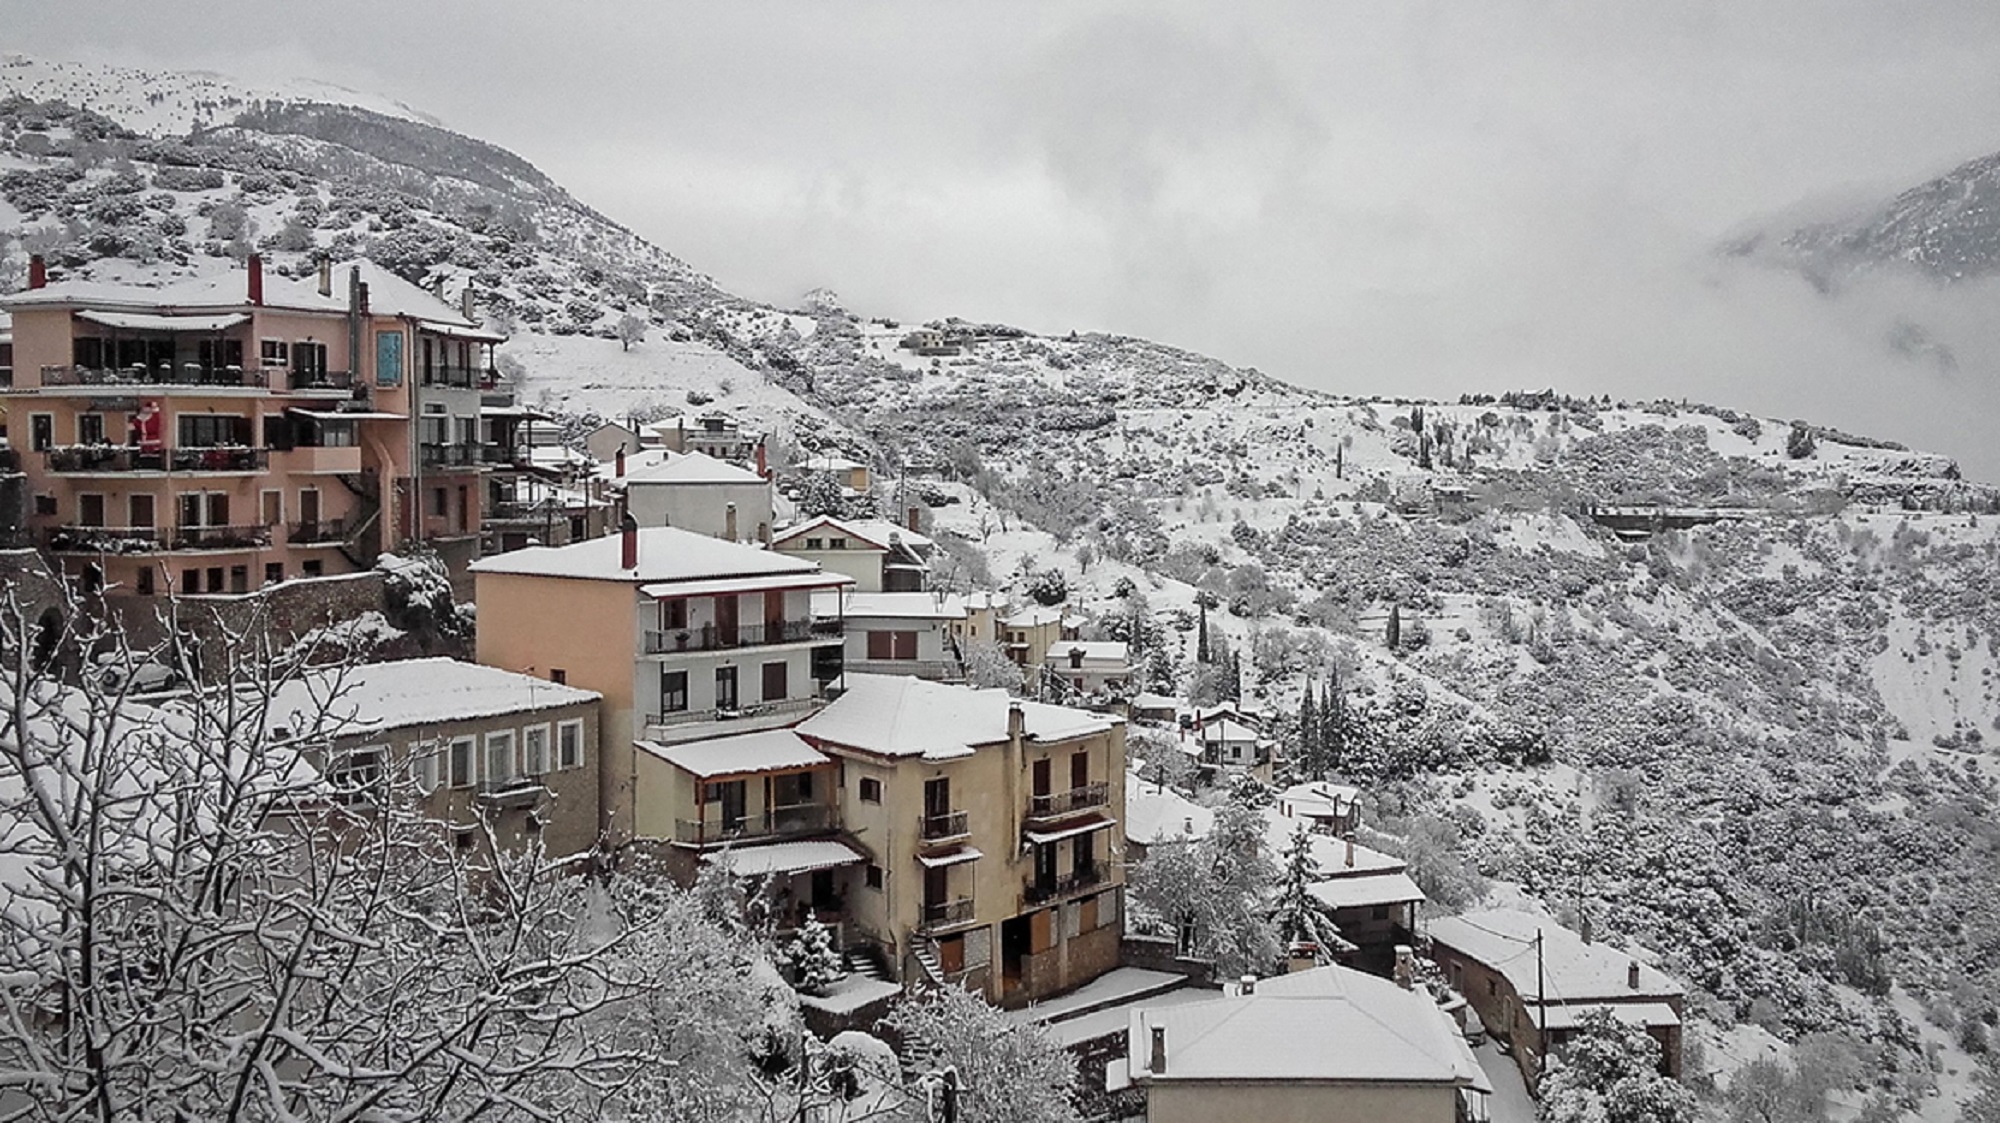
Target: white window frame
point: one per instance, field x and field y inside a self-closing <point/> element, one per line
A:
<point x="569" y="744"/>
<point x="274" y="353"/>
<point x="529" y="735"/>
<point x="502" y="740"/>
<point x="453" y="778"/>
<point x="352" y="781"/>
<point x="426" y="766"/>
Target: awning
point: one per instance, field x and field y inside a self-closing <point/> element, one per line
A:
<point x="1366" y="891"/>
<point x="137" y="321"/>
<point x="459" y="331"/>
<point x="938" y="861"/>
<point x="1060" y="833"/>
<point x="346" y="415"/>
<point x="666" y="590"/>
<point x="787" y="857"/>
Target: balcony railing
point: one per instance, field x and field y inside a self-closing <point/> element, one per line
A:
<point x="935" y="670"/>
<point x="708" y="637"/>
<point x="447" y="456"/>
<point x="508" y="510"/>
<point x="320" y="379"/>
<point x="105" y="539"/>
<point x="321" y="531"/>
<point x="1063" y="803"/>
<point x="464" y="378"/>
<point x="502" y="454"/>
<point x="740" y="713"/>
<point x="512" y="791"/>
<point x="951" y="824"/>
<point x="1035" y="890"/>
<point x="161" y="374"/>
<point x="944" y="914"/>
<point x="220" y="537"/>
<point x="220" y="459"/>
<point x="118" y="458"/>
<point x="774" y="822"/>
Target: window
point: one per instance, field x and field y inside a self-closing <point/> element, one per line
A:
<point x="90" y="428"/>
<point x="356" y="776"/>
<point x="274" y="572"/>
<point x="208" y="430"/>
<point x="312" y="567"/>
<point x="874" y="876"/>
<point x="569" y="745"/>
<point x="725" y="688"/>
<point x="139" y="510"/>
<point x="774" y="682"/>
<point x="440" y="502"/>
<point x="274" y="506"/>
<point x="424" y="766"/>
<point x="871" y="790"/>
<point x="673" y="692"/>
<point x="145" y="580"/>
<point x="892" y="645"/>
<point x="215" y="579"/>
<point x="558" y="676"/>
<point x="90" y="509"/>
<point x="535" y="750"/>
<point x="459" y="757"/>
<point x="309" y="359"/>
<point x="41" y="431"/>
<point x="273" y="352"/>
<point x="190" y="580"/>
<point x="500" y="755"/>
<point x="674" y="614"/>
<point x="836" y="543"/>
<point x="239" y="578"/>
<point x="815" y="543"/>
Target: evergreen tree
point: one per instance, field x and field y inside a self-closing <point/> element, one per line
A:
<point x="1201" y="632"/>
<point x="1302" y="918"/>
<point x="1311" y="751"/>
<point x="1395" y="633"/>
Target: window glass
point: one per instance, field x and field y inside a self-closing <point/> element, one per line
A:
<point x="569" y="744"/>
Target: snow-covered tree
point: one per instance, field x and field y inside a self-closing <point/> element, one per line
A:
<point x="1210" y="894"/>
<point x="631" y="329"/>
<point x="1048" y="587"/>
<point x="987" y="665"/>
<point x="814" y="962"/>
<point x="1301" y="917"/>
<point x="819" y="494"/>
<point x="1005" y="1071"/>
<point x="1609" y="1072"/>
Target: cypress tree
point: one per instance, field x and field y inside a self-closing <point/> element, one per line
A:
<point x="1395" y="634"/>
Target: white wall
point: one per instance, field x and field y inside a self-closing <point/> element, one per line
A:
<point x="702" y="508"/>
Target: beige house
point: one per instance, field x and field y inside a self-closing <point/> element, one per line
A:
<point x="1029" y="633"/>
<point x="476" y="743"/>
<point x="990" y="825"/>
<point x="687" y="638"/>
<point x="712" y="434"/>
<point x="882" y="557"/>
<point x="852" y="476"/>
<point x="1329" y="1044"/>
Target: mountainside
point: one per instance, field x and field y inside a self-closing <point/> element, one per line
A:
<point x="1755" y="745"/>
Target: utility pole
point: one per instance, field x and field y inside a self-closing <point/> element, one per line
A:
<point x="1542" y="1016"/>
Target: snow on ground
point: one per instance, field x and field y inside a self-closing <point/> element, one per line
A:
<point x="165" y="102"/>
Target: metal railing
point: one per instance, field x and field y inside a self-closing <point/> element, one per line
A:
<point x="944" y="914"/>
<point x="322" y="530"/>
<point x="709" y="637"/>
<point x="1035" y="890"/>
<point x="320" y="379"/>
<point x="220" y="537"/>
<point x="951" y="824"/>
<point x="740" y="713"/>
<point x="510" y="510"/>
<point x="447" y="456"/>
<point x="464" y="378"/>
<point x="773" y="822"/>
<point x="1075" y="799"/>
<point x="219" y="459"/>
<point x="161" y="374"/>
<point x="503" y="454"/>
<point x="105" y="539"/>
<point x="105" y="458"/>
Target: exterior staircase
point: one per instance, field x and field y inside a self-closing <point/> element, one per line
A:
<point x="924" y="951"/>
<point x="364" y="540"/>
<point x="864" y="962"/>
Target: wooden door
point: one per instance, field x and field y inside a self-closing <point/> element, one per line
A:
<point x="725" y="619"/>
<point x="1041" y="774"/>
<point x="1079" y="771"/>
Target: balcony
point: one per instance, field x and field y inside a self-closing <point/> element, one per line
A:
<point x="512" y="791"/>
<point x="935" y="671"/>
<point x="1056" y="804"/>
<point x="320" y="380"/>
<point x="774" y="822"/>
<point x="709" y="637"/>
<point x="513" y="511"/>
<point x="1037" y="890"/>
<point x="462" y="378"/>
<point x="324" y="532"/>
<point x="221" y="537"/>
<point x="220" y="459"/>
<point x="447" y="456"/>
<point x="105" y="539"/>
<point x="323" y="460"/>
<point x="503" y="456"/>
<point x="162" y="374"/>
<point x="939" y="915"/>
<point x="741" y="713"/>
<point x="949" y="826"/>
<point x="105" y="458"/>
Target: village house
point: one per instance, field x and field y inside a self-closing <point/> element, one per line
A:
<point x="609" y="439"/>
<point x="532" y="498"/>
<point x="990" y="823"/>
<point x="977" y="617"/>
<point x="897" y="633"/>
<point x="852" y="476"/>
<point x="712" y="434"/>
<point x="880" y="556"/>
<point x="1323" y="1044"/>
<point x="695" y="491"/>
<point x="1530" y="979"/>
<point x="1091" y="666"/>
<point x="1032" y="631"/>
<point x="217" y="435"/>
<point x="1329" y="808"/>
<point x="477" y="744"/>
<point x="687" y="638"/>
<point x="1370" y="895"/>
<point x="1156" y="814"/>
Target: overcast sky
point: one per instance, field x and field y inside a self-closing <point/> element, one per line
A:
<point x="1420" y="198"/>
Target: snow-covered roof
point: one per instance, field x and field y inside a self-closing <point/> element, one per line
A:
<point x="377" y="697"/>
<point x="1645" y="1014"/>
<point x="1331" y="854"/>
<point x="886" y="606"/>
<point x="1225" y="732"/>
<point x="1330" y="1024"/>
<point x="811" y="579"/>
<point x="691" y="468"/>
<point x="900" y="716"/>
<point x="873" y="534"/>
<point x="771" y="750"/>
<point x="982" y="601"/>
<point x="1033" y="616"/>
<point x="797" y="856"/>
<point x="1318" y="799"/>
<point x="1154" y="814"/>
<point x="1093" y="651"/>
<point x="1367" y="890"/>
<point x="665" y="554"/>
<point x="1146" y="700"/>
<point x="1504" y="939"/>
<point x="388" y="295"/>
<point x="830" y="464"/>
<point x="882" y="530"/>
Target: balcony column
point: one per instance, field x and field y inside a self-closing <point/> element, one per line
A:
<point x="700" y="812"/>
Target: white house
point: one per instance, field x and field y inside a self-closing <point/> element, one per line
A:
<point x="881" y="556"/>
<point x="697" y="492"/>
<point x="898" y="633"/>
<point x="1090" y="666"/>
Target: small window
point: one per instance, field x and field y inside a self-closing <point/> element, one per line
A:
<point x="312" y="567"/>
<point x="874" y="875"/>
<point x="815" y="543"/>
<point x="355" y="777"/>
<point x="440" y="502"/>
<point x="674" y="614"/>
<point x="569" y="745"/>
<point x="673" y="692"/>
<point x="424" y="766"/>
<point x="775" y="682"/>
<point x="535" y="750"/>
<point x="274" y="572"/>
<point x="871" y="790"/>
<point x="459" y="757"/>
<point x="500" y="755"/>
<point x="90" y="509"/>
<point x="836" y="543"/>
<point x="145" y="580"/>
<point x="90" y="428"/>
<point x="558" y="676"/>
<point x="274" y="352"/>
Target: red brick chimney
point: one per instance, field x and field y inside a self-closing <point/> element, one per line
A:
<point x="763" y="461"/>
<point x="38" y="275"/>
<point x="619" y="469"/>
<point x="910" y="517"/>
<point x="256" y="264"/>
<point x="628" y="532"/>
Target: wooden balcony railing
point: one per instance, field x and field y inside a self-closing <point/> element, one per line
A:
<point x="1036" y="890"/>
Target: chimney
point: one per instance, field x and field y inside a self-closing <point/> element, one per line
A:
<point x="1350" y="851"/>
<point x="465" y="301"/>
<point x="729" y="523"/>
<point x="364" y="297"/>
<point x="437" y="286"/>
<point x="1406" y="967"/>
<point x="256" y="264"/>
<point x="763" y="461"/>
<point x="1158" y="1062"/>
<point x="1017" y="721"/>
<point x="1248" y="984"/>
<point x="619" y="468"/>
<point x="1632" y="975"/>
<point x="628" y="532"/>
<point x="910" y="517"/>
<point x="325" y="276"/>
<point x="38" y="271"/>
